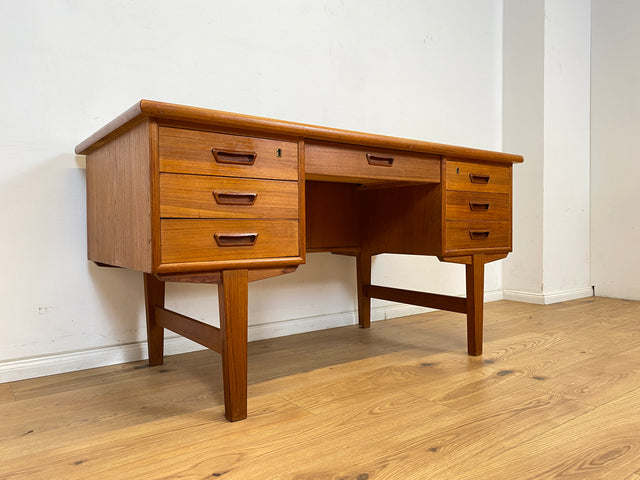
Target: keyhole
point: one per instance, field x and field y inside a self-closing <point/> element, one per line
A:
<point x="457" y="170"/>
<point x="279" y="152"/>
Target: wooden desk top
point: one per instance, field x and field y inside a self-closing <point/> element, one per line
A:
<point x="215" y="118"/>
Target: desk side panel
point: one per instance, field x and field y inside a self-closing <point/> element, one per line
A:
<point x="119" y="223"/>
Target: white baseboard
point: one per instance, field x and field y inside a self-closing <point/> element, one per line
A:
<point x="547" y="298"/>
<point x="493" y="296"/>
<point x="22" y="369"/>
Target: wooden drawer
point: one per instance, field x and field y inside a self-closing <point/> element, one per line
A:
<point x="208" y="153"/>
<point x="477" y="206"/>
<point x="477" y="235"/>
<point x="328" y="161"/>
<point x="200" y="196"/>
<point x="191" y="240"/>
<point x="475" y="177"/>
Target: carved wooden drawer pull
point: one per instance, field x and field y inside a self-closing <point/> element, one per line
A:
<point x="235" y="198"/>
<point x="236" y="239"/>
<point x="476" y="178"/>
<point x="479" y="234"/>
<point x="479" y="207"/>
<point x="236" y="158"/>
<point x="379" y="160"/>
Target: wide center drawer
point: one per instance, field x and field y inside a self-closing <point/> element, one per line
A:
<point x="208" y="153"/>
<point x="351" y="163"/>
<point x="191" y="240"/>
<point x="201" y="196"/>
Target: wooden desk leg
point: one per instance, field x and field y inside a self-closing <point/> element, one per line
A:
<point x="363" y="274"/>
<point x="475" y="301"/>
<point x="233" y="297"/>
<point x="154" y="297"/>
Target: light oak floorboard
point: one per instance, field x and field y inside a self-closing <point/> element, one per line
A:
<point x="6" y="393"/>
<point x="555" y="395"/>
<point x="602" y="443"/>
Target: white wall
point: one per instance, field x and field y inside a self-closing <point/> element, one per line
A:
<point x="523" y="132"/>
<point x="566" y="242"/>
<point x="615" y="163"/>
<point x="430" y="70"/>
<point x="546" y="115"/>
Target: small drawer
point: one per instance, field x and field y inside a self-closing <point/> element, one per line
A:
<point x="477" y="235"/>
<point x="475" y="177"/>
<point x="185" y="241"/>
<point x="365" y="165"/>
<point x="201" y="196"/>
<point x="208" y="153"/>
<point x="477" y="206"/>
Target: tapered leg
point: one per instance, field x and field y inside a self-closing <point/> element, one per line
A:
<point x="475" y="301"/>
<point x="232" y="297"/>
<point x="363" y="274"/>
<point x="154" y="297"/>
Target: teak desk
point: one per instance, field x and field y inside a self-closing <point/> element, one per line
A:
<point x="187" y="194"/>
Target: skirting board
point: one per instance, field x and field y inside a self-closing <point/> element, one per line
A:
<point x="23" y="369"/>
<point x="547" y="298"/>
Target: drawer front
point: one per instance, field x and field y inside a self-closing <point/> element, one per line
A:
<point x="200" y="196"/>
<point x="185" y="241"/>
<point x="474" y="177"/>
<point x="363" y="165"/>
<point x="477" y="206"/>
<point x="207" y="153"/>
<point x="477" y="235"/>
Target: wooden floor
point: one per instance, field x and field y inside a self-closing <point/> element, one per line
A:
<point x="556" y="395"/>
